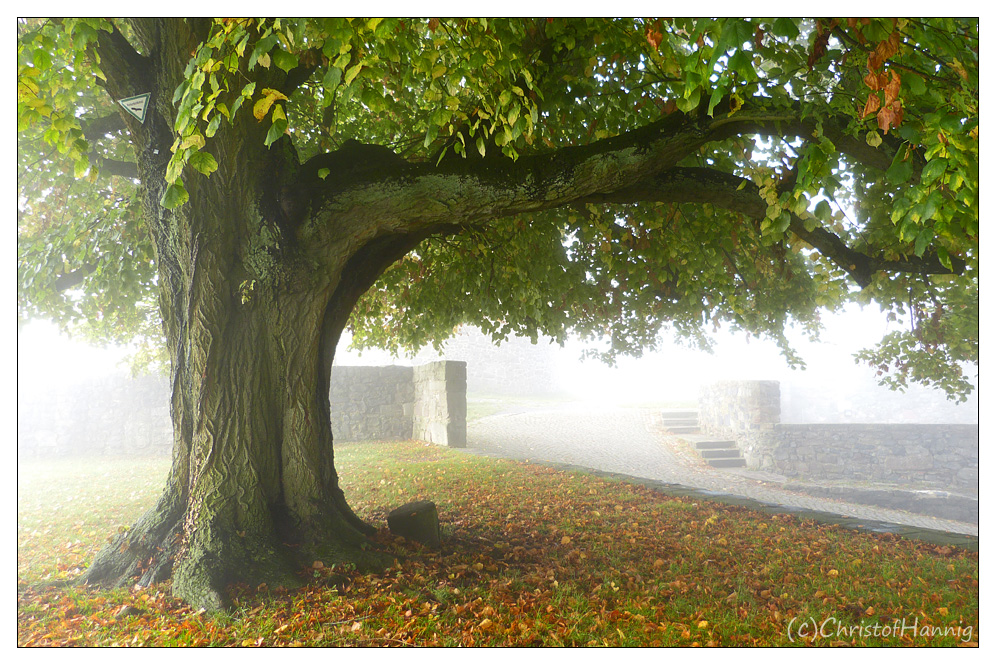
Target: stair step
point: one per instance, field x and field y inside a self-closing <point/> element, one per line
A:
<point x="670" y="422"/>
<point x="712" y="445"/>
<point x="727" y="462"/>
<point x="683" y="429"/>
<point x="680" y="414"/>
<point x="719" y="453"/>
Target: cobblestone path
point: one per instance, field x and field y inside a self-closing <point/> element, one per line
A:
<point x="633" y="442"/>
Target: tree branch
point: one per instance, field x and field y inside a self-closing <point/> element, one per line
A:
<point x="398" y="197"/>
<point x="698" y="185"/>
<point x="96" y="128"/>
<point x="115" y="167"/>
<point x="71" y="279"/>
<point x="128" y="72"/>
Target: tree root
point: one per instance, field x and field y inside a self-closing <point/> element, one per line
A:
<point x="214" y="555"/>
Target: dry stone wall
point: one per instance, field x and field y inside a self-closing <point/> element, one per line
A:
<point x="110" y="415"/>
<point x="930" y="455"/>
<point x="118" y="415"/>
<point x="944" y="456"/>
<point x="372" y="402"/>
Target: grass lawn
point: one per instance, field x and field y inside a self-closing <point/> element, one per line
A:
<point x="531" y="557"/>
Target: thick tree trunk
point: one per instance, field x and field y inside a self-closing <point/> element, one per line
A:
<point x="252" y="317"/>
<point x="253" y="493"/>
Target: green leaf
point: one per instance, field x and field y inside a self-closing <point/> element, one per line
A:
<point x="933" y="170"/>
<point x="204" y="162"/>
<point x="922" y="240"/>
<point x="175" y="196"/>
<point x="785" y="27"/>
<point x="81" y="166"/>
<point x="900" y="171"/>
<point x="284" y="60"/>
<point x="352" y="72"/>
<point x="277" y="130"/>
<point x="212" y="127"/>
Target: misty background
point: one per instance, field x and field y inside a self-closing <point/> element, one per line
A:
<point x="832" y="388"/>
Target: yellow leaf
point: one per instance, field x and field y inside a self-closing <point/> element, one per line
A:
<point x="566" y="540"/>
<point x="262" y="107"/>
<point x="193" y="141"/>
<point x="275" y="94"/>
<point x="703" y="624"/>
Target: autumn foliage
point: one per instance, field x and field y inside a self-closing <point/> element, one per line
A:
<point x="537" y="557"/>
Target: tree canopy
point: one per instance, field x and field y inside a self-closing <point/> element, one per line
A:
<point x="811" y="162"/>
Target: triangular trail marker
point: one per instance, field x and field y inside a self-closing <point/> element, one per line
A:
<point x="137" y="105"/>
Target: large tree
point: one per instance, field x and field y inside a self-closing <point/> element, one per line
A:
<point x="287" y="179"/>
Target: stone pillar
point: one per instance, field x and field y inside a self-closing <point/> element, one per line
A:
<point x="732" y="407"/>
<point x="440" y="413"/>
<point x="745" y="411"/>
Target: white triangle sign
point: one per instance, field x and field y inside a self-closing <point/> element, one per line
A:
<point x="136" y="105"/>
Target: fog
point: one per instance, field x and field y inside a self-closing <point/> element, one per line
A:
<point x="831" y="388"/>
<point x="79" y="401"/>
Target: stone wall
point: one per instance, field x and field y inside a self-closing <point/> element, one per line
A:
<point x="943" y="456"/>
<point x="118" y="415"/>
<point x="372" y="402"/>
<point x="110" y="415"/>
<point x="426" y="402"/>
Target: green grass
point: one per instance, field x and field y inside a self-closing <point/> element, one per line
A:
<point x="531" y="557"/>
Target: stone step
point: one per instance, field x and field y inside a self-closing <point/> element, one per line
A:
<point x="728" y="462"/>
<point x="719" y="453"/>
<point x="712" y="445"/>
<point x="683" y="429"/>
<point x="671" y="422"/>
<point x="677" y="413"/>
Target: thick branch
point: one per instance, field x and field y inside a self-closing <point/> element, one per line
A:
<point x="74" y="278"/>
<point x="115" y="167"/>
<point x="127" y="71"/>
<point x="397" y="197"/>
<point x="469" y="190"/>
<point x="96" y="128"/>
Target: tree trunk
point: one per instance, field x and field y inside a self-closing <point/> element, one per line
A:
<point x="253" y="493"/>
<point x="252" y="318"/>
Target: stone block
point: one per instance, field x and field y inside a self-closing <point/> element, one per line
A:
<point x="417" y="521"/>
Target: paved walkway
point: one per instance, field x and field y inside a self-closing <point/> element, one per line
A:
<point x="633" y="442"/>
